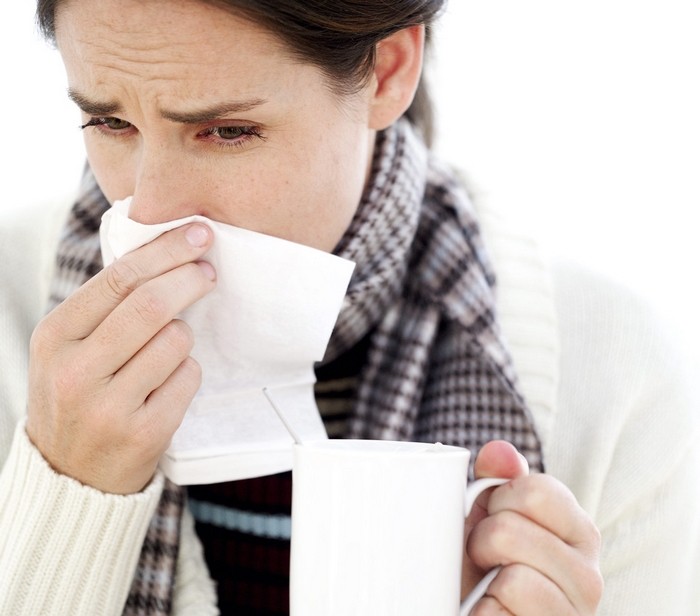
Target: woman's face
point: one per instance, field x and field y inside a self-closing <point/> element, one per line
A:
<point x="193" y="110"/>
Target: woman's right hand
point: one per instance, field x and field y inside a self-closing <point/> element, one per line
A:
<point x="110" y="376"/>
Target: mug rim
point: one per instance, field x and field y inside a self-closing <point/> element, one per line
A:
<point x="376" y="447"/>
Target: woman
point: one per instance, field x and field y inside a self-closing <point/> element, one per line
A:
<point x="292" y="119"/>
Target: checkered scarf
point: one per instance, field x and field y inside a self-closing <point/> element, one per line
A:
<point x="437" y="369"/>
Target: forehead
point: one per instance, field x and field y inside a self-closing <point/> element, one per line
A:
<point x="164" y="39"/>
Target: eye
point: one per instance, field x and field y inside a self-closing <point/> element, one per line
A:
<point x="108" y="124"/>
<point x="230" y="132"/>
<point x="231" y="136"/>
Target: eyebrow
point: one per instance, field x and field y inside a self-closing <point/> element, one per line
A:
<point x="214" y="112"/>
<point x="207" y="114"/>
<point x="92" y="107"/>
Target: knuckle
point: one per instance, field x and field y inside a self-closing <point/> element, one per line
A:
<point x="43" y="339"/>
<point x="500" y="532"/>
<point x="513" y="583"/>
<point x="172" y="250"/>
<point x="593" y="585"/>
<point x="492" y="540"/>
<point x="179" y="337"/>
<point x="508" y="583"/>
<point x="591" y="540"/>
<point x="596" y="536"/>
<point x="538" y="495"/>
<point x="47" y="337"/>
<point x="122" y="278"/>
<point x="192" y="370"/>
<point x="150" y="308"/>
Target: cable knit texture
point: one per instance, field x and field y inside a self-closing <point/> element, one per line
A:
<point x="54" y="526"/>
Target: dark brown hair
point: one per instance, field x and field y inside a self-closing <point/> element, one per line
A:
<point x="338" y="36"/>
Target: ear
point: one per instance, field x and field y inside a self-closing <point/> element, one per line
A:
<point x="397" y="70"/>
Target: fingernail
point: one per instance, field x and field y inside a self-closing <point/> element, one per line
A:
<point x="208" y="269"/>
<point x="197" y="235"/>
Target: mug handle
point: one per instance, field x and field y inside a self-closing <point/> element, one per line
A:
<point x="470" y="495"/>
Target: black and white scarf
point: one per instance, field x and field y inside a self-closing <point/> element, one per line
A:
<point x="437" y="368"/>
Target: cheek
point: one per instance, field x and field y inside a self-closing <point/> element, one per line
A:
<point x="303" y="189"/>
<point x="320" y="192"/>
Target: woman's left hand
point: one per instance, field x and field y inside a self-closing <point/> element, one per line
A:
<point x="535" y="529"/>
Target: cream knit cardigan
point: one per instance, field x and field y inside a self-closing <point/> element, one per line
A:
<point x="619" y="421"/>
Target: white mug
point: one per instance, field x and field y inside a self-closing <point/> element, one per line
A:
<point x="378" y="529"/>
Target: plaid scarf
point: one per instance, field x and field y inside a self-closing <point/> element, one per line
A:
<point x="437" y="368"/>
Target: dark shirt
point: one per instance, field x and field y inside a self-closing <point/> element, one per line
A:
<point x="245" y="525"/>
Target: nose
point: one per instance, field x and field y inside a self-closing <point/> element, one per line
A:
<point x="165" y="188"/>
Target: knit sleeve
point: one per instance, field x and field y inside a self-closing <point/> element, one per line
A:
<point x="626" y="439"/>
<point x="65" y="548"/>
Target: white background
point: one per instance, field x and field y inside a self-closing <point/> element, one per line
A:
<point x="579" y="119"/>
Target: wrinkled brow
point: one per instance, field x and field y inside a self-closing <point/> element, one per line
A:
<point x="195" y="116"/>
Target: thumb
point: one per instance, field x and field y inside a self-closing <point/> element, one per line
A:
<point x="495" y="459"/>
<point x="500" y="459"/>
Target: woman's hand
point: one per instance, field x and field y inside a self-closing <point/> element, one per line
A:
<point x="546" y="543"/>
<point x="110" y="376"/>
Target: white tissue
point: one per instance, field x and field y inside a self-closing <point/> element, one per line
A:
<point x="264" y="325"/>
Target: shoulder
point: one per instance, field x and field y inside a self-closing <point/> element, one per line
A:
<point x="616" y="345"/>
<point x="614" y="341"/>
<point x="608" y="382"/>
<point x="600" y="315"/>
<point x="626" y="391"/>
